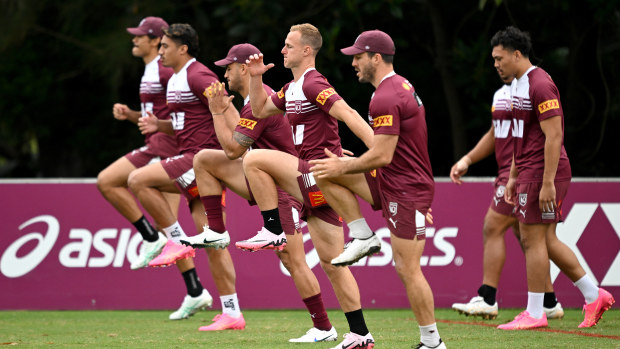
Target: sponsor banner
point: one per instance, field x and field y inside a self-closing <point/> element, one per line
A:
<point x="62" y="246"/>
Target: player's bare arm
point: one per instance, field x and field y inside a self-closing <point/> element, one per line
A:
<point x="262" y="106"/>
<point x="552" y="128"/>
<point x="343" y="112"/>
<point x="484" y="148"/>
<point x="151" y="124"/>
<point x="379" y="155"/>
<point x="122" y="112"/>
<point x="225" y="119"/>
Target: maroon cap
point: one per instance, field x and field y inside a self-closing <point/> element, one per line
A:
<point x="238" y="54"/>
<point x="149" y="26"/>
<point x="371" y="41"/>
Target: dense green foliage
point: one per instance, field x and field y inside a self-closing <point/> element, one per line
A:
<point x="394" y="328"/>
<point x="64" y="63"/>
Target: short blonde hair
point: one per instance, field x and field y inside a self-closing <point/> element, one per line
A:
<point x="310" y="36"/>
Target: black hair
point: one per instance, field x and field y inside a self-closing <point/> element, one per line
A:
<point x="184" y="34"/>
<point x="386" y="58"/>
<point x="513" y="39"/>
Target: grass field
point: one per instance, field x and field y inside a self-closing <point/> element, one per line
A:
<point x="273" y="328"/>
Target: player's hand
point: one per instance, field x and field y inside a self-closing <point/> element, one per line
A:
<point x="120" y="111"/>
<point x="509" y="193"/>
<point x="459" y="169"/>
<point x="148" y="124"/>
<point x="429" y="216"/>
<point x="346" y="152"/>
<point x="218" y="100"/>
<point x="546" y="198"/>
<point x="256" y="67"/>
<point x="332" y="166"/>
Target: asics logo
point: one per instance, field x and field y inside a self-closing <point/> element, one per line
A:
<point x="229" y="304"/>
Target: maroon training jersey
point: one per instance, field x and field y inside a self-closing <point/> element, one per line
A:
<point x="307" y="102"/>
<point x="189" y="108"/>
<point x="270" y="133"/>
<point x="535" y="98"/>
<point x="396" y="109"/>
<point x="502" y="122"/>
<point x="153" y="93"/>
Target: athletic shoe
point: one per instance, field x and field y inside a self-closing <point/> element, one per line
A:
<point x="477" y="307"/>
<point x="353" y="340"/>
<point x="594" y="311"/>
<point x="554" y="313"/>
<point x="148" y="251"/>
<point x="524" y="321"/>
<point x="264" y="240"/>
<point x="208" y="238"/>
<point x="191" y="305"/>
<point x="171" y="253"/>
<point x="316" y="335"/>
<point x="441" y="345"/>
<point x="357" y="249"/>
<point x="225" y="322"/>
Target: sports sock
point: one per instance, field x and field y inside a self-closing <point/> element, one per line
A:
<point x="535" y="304"/>
<point x="550" y="301"/>
<point x="356" y="322"/>
<point x="175" y="233"/>
<point x="488" y="293"/>
<point x="192" y="282"/>
<point x="587" y="288"/>
<point x="230" y="305"/>
<point x="146" y="229"/>
<point x="213" y="210"/>
<point x="429" y="335"/>
<point x="316" y="308"/>
<point x="271" y="221"/>
<point x="359" y="229"/>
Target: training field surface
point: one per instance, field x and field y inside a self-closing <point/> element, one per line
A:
<point x="272" y="329"/>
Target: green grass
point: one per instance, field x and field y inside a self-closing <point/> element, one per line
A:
<point x="273" y="328"/>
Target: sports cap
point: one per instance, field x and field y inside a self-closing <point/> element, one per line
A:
<point x="238" y="54"/>
<point x="371" y="41"/>
<point x="149" y="26"/>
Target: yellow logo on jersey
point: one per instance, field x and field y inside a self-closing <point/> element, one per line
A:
<point x="406" y="86"/>
<point x="325" y="94"/>
<point x="492" y="109"/>
<point x="384" y="120"/>
<point x="373" y="173"/>
<point x="208" y="92"/>
<point x="548" y="105"/>
<point x="281" y="93"/>
<point x="247" y="123"/>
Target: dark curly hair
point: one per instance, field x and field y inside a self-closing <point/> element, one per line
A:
<point x="513" y="39"/>
<point x="184" y="34"/>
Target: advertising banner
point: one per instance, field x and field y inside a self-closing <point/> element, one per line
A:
<point x="63" y="246"/>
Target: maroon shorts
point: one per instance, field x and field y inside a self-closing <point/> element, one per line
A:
<point x="405" y="219"/>
<point x="528" y="210"/>
<point x="314" y="202"/>
<point x="160" y="146"/>
<point x="180" y="168"/>
<point x="373" y="185"/>
<point x="498" y="204"/>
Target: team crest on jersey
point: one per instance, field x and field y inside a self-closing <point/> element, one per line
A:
<point x="177" y="96"/>
<point x="247" y="123"/>
<point x="522" y="199"/>
<point x="297" y="107"/>
<point x="383" y="120"/>
<point x="548" y="105"/>
<point x="393" y="206"/>
<point x="281" y="93"/>
<point x="324" y="95"/>
<point x="500" y="191"/>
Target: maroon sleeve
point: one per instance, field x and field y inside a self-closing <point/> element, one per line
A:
<point x="320" y="93"/>
<point x="278" y="98"/>
<point x="545" y="98"/>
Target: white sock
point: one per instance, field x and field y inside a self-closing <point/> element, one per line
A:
<point x="359" y="229"/>
<point x="175" y="233"/>
<point x="535" y="304"/>
<point x="587" y="288"/>
<point x="230" y="305"/>
<point x="429" y="335"/>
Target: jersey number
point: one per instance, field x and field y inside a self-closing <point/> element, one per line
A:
<point x="178" y="120"/>
<point x="517" y="128"/>
<point x="501" y="127"/>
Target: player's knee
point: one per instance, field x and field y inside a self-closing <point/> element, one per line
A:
<point x="201" y="159"/>
<point x="134" y="181"/>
